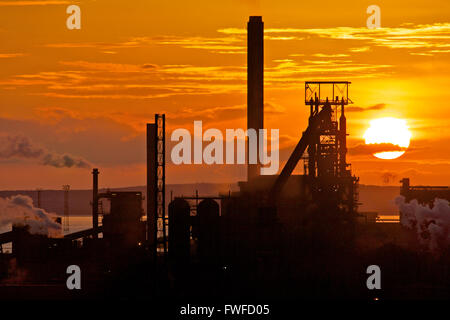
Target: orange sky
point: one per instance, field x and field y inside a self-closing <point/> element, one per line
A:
<point x="88" y="93"/>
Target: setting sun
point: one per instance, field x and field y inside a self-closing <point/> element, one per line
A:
<point x="391" y="133"/>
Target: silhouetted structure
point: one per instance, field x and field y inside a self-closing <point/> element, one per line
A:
<point x="95" y="173"/>
<point x="425" y="195"/>
<point x="156" y="186"/>
<point x="279" y="236"/>
<point x="123" y="226"/>
<point x="179" y="232"/>
<point x="255" y="83"/>
<point x="252" y="228"/>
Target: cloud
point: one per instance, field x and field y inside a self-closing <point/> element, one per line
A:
<point x="232" y="40"/>
<point x="11" y="55"/>
<point x="99" y="80"/>
<point x="221" y="44"/>
<point x="218" y="44"/>
<point x="103" y="80"/>
<point x="149" y="66"/>
<point x="378" y="106"/>
<point x="32" y="3"/>
<point x="359" y="49"/>
<point x="367" y="149"/>
<point x="337" y="55"/>
<point x="21" y="147"/>
<point x="409" y="36"/>
<point x="219" y="113"/>
<point x="93" y="137"/>
<point x="17" y="146"/>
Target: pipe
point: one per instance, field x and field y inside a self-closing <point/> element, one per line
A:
<point x="151" y="187"/>
<point x="95" y="173"/>
<point x="343" y="140"/>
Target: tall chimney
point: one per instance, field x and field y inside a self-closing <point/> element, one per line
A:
<point x="255" y="84"/>
<point x="95" y="201"/>
<point x="151" y="187"/>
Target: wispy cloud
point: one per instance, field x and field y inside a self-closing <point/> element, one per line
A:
<point x="19" y="3"/>
<point x="11" y="55"/>
<point x="337" y="55"/>
<point x="221" y="44"/>
<point x="379" y="106"/>
<point x="100" y="80"/>
<point x="417" y="40"/>
<point x="359" y="49"/>
<point x="407" y="36"/>
<point x="368" y="149"/>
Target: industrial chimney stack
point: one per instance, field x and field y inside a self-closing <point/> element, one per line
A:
<point x="255" y="83"/>
<point x="95" y="201"/>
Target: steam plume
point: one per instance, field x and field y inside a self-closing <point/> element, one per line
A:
<point x="19" y="210"/>
<point x="21" y="147"/>
<point x="432" y="224"/>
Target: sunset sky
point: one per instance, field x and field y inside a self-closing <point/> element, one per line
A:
<point x="82" y="97"/>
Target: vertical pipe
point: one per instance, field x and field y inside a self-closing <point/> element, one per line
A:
<point x="151" y="187"/>
<point x="343" y="139"/>
<point x="95" y="201"/>
<point x="163" y="191"/>
<point x="255" y="84"/>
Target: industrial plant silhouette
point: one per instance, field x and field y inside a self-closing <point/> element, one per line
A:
<point x="281" y="236"/>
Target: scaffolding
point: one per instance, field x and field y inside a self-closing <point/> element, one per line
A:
<point x="157" y="220"/>
<point x="326" y="157"/>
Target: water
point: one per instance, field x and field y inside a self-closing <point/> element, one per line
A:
<point x="388" y="218"/>
<point x="76" y="223"/>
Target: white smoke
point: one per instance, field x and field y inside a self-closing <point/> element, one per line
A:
<point x="19" y="210"/>
<point x="432" y="224"/>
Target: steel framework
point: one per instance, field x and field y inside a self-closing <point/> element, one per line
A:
<point x="157" y="220"/>
<point x="325" y="140"/>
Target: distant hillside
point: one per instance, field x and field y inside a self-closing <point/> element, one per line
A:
<point x="80" y="200"/>
<point x="373" y="198"/>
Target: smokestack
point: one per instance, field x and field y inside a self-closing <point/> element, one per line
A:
<point x="151" y="187"/>
<point x="95" y="201"/>
<point x="255" y="83"/>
